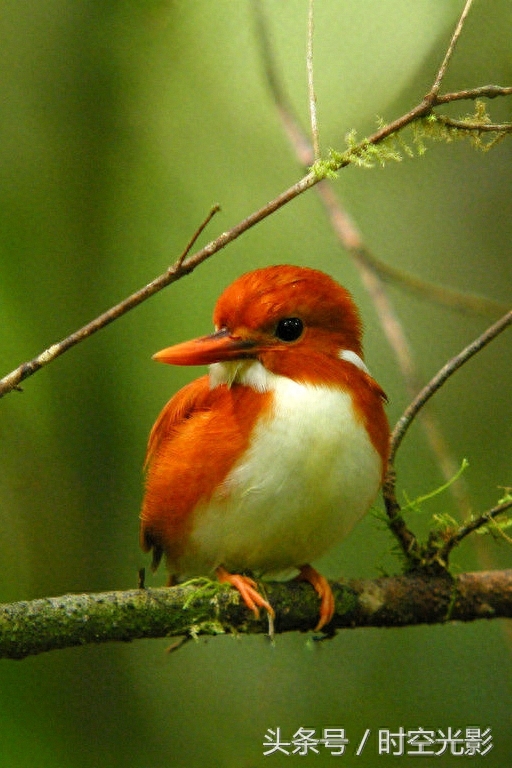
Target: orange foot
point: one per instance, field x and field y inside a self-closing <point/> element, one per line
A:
<point x="324" y="591"/>
<point x="248" y="589"/>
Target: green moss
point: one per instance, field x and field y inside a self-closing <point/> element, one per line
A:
<point x="369" y="152"/>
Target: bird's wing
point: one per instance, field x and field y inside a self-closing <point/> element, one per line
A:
<point x="181" y="406"/>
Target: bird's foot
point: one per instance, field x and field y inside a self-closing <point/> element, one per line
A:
<point x="324" y="591"/>
<point x="248" y="589"/>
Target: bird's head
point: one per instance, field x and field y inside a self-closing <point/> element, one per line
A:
<point x="282" y="316"/>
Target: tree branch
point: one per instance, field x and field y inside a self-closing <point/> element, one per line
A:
<point x="183" y="266"/>
<point x="29" y="628"/>
<point x="473" y="525"/>
<point x="357" y="152"/>
<point x="434" y="553"/>
<point x="472" y="94"/>
<point x="441" y="376"/>
<point x="451" y="47"/>
<point x="311" y="83"/>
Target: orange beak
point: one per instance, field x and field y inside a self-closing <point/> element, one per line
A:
<point x="215" y="348"/>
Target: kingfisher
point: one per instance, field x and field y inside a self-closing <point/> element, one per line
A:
<point x="266" y="462"/>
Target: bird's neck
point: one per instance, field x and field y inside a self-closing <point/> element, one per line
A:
<point x="263" y="378"/>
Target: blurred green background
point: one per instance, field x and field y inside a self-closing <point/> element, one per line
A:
<point x="121" y="123"/>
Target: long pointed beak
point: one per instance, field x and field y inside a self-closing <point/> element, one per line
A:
<point x="208" y="349"/>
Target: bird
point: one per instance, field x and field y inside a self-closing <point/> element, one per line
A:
<point x="267" y="461"/>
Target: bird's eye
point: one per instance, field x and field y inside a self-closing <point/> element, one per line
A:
<point x="289" y="328"/>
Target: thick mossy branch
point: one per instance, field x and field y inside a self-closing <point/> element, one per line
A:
<point x="28" y="628"/>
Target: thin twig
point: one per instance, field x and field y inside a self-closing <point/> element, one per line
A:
<point x="435" y="293"/>
<point x="438" y="380"/>
<point x="288" y="119"/>
<point x="311" y="83"/>
<point x="449" y="53"/>
<point x="471" y="94"/>
<point x="215" y="209"/>
<point x="473" y="525"/>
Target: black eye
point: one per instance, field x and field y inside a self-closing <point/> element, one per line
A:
<point x="289" y="328"/>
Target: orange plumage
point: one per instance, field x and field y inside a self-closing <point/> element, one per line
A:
<point x="270" y="460"/>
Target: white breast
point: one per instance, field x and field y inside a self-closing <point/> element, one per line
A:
<point x="310" y="473"/>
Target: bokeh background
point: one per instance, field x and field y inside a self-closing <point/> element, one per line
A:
<point x="121" y="123"/>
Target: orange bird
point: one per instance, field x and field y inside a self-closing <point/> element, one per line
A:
<point x="265" y="463"/>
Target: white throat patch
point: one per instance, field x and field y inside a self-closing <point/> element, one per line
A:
<point x="249" y="372"/>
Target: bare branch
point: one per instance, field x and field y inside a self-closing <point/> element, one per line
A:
<point x="311" y="83"/>
<point x="451" y="47"/>
<point x="438" y="380"/>
<point x="29" y="628"/>
<point x="293" y="130"/>
<point x="474" y="525"/>
<point x="435" y="293"/>
<point x="471" y="94"/>
<point x="215" y="209"/>
<point x="412" y="550"/>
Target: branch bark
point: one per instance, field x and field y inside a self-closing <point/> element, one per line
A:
<point x="30" y="628"/>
